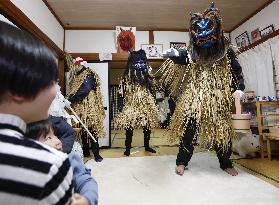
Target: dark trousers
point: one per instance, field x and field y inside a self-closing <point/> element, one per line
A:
<point x="129" y="137"/>
<point x="85" y="144"/>
<point x="186" y="148"/>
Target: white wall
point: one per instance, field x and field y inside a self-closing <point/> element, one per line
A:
<point x="40" y="15"/>
<point x="269" y="15"/>
<point x="97" y="41"/>
<point x="142" y="37"/>
<point x="101" y="41"/>
<point x="87" y="41"/>
<point x="165" y="37"/>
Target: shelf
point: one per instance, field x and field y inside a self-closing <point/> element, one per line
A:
<point x="267" y="126"/>
<point x="267" y="102"/>
<point x="272" y="136"/>
<point x="248" y="102"/>
<point x="262" y="127"/>
<point x="115" y="57"/>
<point x="275" y="114"/>
<point x="253" y="125"/>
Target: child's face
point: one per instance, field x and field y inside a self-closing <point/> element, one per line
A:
<point x="51" y="140"/>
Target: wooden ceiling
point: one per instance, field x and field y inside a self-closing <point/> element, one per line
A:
<point x="147" y="14"/>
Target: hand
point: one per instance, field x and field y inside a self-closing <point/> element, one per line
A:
<point x="172" y="52"/>
<point x="238" y="94"/>
<point x="67" y="103"/>
<point x="78" y="199"/>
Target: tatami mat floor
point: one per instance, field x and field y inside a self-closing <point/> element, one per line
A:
<point x="262" y="168"/>
<point x="158" y="137"/>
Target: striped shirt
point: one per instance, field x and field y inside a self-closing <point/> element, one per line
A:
<point x="30" y="172"/>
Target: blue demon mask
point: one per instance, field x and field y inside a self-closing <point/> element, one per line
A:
<point x="205" y="28"/>
<point x="207" y="40"/>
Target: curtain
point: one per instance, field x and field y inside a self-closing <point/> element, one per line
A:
<point x="114" y="103"/>
<point x="249" y="70"/>
<point x="257" y="69"/>
<point x="274" y="44"/>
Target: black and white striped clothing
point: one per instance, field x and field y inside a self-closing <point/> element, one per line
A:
<point x="30" y="172"/>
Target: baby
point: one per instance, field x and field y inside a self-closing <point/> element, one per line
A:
<point x="85" y="187"/>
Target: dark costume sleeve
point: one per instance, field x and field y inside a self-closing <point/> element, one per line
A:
<point x="120" y="104"/>
<point x="88" y="85"/>
<point x="171" y="105"/>
<point x="238" y="81"/>
<point x="64" y="132"/>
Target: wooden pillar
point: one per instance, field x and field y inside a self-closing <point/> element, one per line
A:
<point x="151" y="37"/>
<point x="61" y="75"/>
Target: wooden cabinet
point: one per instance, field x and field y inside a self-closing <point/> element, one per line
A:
<point x="261" y="126"/>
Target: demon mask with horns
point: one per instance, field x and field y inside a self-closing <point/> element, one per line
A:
<point x="138" y="69"/>
<point x="126" y="40"/>
<point x="207" y="40"/>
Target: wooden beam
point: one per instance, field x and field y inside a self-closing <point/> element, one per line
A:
<point x="16" y="16"/>
<point x="64" y="42"/>
<point x="151" y="37"/>
<point x="251" y="15"/>
<point x="265" y="38"/>
<point x="86" y="56"/>
<point x="118" y="61"/>
<point x="138" y="28"/>
<point x="53" y="13"/>
<point x="115" y="56"/>
<point x="89" y="28"/>
<point x="113" y="28"/>
<point x="95" y="56"/>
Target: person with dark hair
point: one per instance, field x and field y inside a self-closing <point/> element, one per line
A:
<point x="203" y="76"/>
<point x="87" y="101"/>
<point x="31" y="173"/>
<point x="85" y="187"/>
<point x="139" y="108"/>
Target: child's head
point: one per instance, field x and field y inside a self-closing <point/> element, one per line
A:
<point x="42" y="131"/>
<point x="28" y="72"/>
